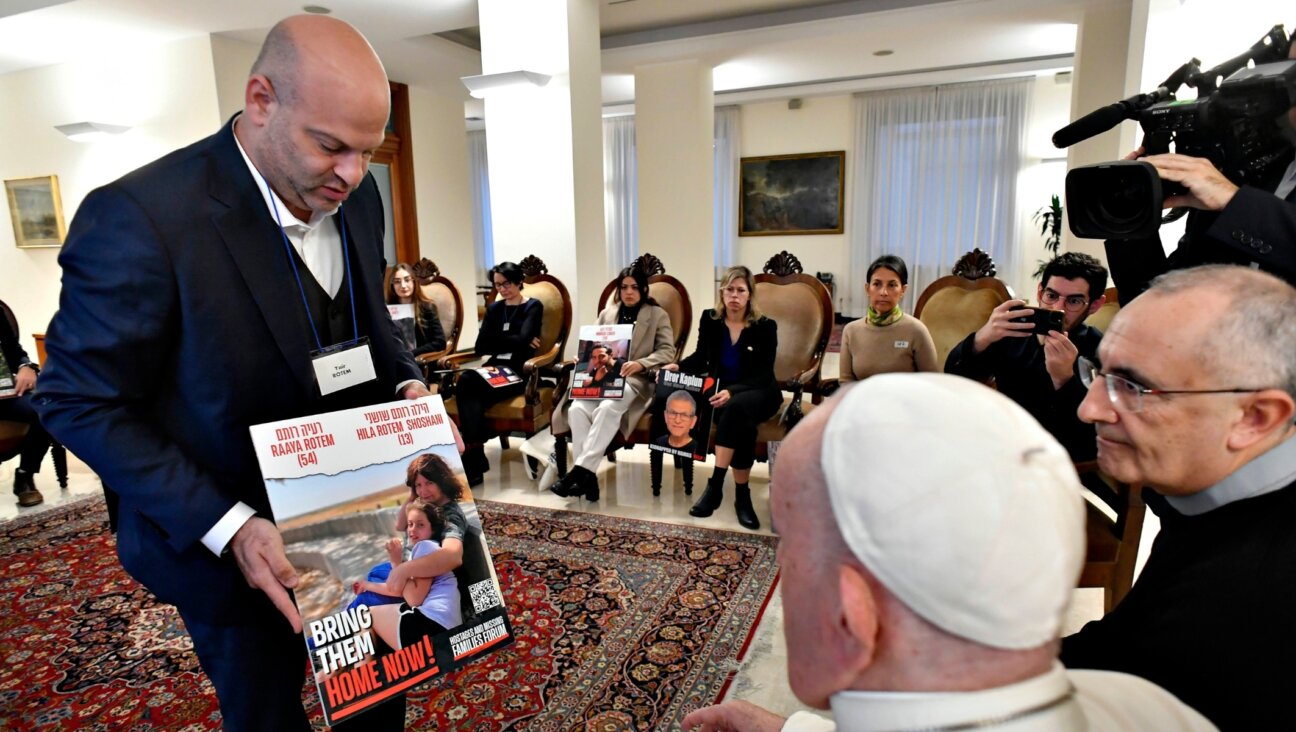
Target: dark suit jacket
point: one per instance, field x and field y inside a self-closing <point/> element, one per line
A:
<point x="430" y="338"/>
<point x="14" y="354"/>
<point x="757" y="347"/>
<point x="1017" y="366"/>
<point x="179" y="325"/>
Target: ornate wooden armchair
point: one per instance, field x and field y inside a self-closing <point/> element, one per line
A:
<point x="1103" y="318"/>
<point x="802" y="307"/>
<point x="1113" y="543"/>
<point x="674" y="299"/>
<point x="958" y="304"/>
<point x="528" y="412"/>
<point x="12" y="433"/>
<point x="449" y="304"/>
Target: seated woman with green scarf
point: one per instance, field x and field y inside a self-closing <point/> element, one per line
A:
<point x="886" y="340"/>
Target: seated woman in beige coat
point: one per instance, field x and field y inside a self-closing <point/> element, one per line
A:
<point x="593" y="423"/>
<point x="886" y="340"/>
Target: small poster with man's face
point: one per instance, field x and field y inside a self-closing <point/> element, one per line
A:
<point x="601" y="354"/>
<point x="684" y="426"/>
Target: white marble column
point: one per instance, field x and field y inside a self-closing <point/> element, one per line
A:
<point x="546" y="143"/>
<point x="674" y="136"/>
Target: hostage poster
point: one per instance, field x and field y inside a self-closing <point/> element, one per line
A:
<point x="357" y="494"/>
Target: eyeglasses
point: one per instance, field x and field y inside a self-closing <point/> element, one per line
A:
<point x="678" y="415"/>
<point x="1128" y="395"/>
<point x="1074" y="303"/>
<point x="501" y="284"/>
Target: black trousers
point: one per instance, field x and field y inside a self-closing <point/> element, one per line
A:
<point x="737" y="420"/>
<point x="37" y="441"/>
<point x="473" y="396"/>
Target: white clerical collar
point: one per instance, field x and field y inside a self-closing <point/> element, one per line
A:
<point x="272" y="200"/>
<point x="887" y="711"/>
<point x="1268" y="472"/>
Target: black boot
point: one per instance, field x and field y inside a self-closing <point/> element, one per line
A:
<point x="743" y="507"/>
<point x="711" y="498"/>
<point x="25" y="488"/>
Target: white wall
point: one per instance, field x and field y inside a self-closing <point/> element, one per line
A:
<point x="820" y="125"/>
<point x="441" y="187"/>
<point x="165" y="93"/>
<point x="1041" y="176"/>
<point x="232" y="61"/>
<point x="826" y="123"/>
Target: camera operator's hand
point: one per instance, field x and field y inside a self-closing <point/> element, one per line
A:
<point x="1059" y="358"/>
<point x="1000" y="325"/>
<point x="1207" y="187"/>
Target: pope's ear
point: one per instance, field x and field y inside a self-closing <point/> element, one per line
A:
<point x="858" y="617"/>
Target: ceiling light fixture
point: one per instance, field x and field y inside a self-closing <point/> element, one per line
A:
<point x="89" y="131"/>
<point x="478" y="86"/>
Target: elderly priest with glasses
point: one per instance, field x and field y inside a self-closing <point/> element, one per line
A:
<point x="1195" y="399"/>
<point x="1037" y="367"/>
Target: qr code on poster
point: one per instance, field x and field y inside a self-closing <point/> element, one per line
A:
<point x="483" y="595"/>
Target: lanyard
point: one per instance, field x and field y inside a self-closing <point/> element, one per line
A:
<point x="346" y="262"/>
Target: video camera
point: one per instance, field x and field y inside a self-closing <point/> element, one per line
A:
<point x="1235" y="125"/>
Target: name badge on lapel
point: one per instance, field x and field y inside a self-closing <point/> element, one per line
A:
<point x="344" y="365"/>
<point x="902" y="344"/>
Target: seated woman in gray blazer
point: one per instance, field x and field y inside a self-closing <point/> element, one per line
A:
<point x="594" y="422"/>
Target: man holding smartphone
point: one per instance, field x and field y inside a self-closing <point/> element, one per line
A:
<point x="1032" y="359"/>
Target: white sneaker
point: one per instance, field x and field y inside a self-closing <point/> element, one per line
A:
<point x="551" y="473"/>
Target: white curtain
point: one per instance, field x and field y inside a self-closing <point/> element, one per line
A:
<point x="935" y="175"/>
<point x="724" y="225"/>
<point x="620" y="193"/>
<point x="479" y="179"/>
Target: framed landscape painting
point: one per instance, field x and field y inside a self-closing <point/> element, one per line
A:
<point x="36" y="210"/>
<point x="792" y="194"/>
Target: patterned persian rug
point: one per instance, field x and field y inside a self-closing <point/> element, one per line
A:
<point x="620" y="625"/>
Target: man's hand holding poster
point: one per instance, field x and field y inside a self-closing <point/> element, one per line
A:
<point x="342" y="486"/>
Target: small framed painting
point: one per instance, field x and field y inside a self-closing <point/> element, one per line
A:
<point x="36" y="210"/>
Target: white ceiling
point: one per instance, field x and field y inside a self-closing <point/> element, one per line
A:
<point x="759" y="48"/>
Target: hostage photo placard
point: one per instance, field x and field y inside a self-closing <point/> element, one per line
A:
<point x="356" y="494"/>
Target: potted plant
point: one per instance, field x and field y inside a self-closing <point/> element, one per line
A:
<point x="1050" y="220"/>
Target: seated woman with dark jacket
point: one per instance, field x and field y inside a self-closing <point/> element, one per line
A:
<point x="428" y="336"/>
<point x="508" y="336"/>
<point x="736" y="345"/>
